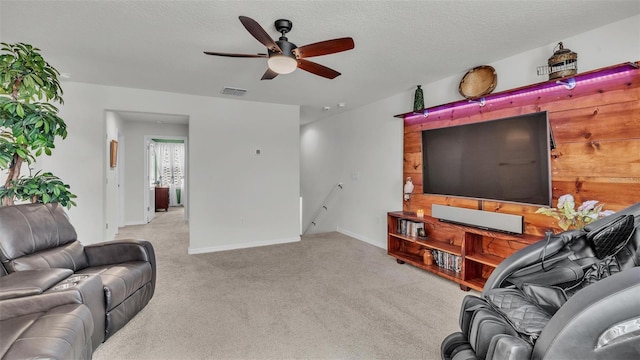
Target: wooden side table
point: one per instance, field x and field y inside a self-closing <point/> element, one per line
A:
<point x="162" y="198"/>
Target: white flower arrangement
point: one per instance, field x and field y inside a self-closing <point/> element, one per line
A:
<point x="568" y="216"/>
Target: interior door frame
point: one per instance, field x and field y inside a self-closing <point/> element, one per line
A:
<point x="147" y="176"/>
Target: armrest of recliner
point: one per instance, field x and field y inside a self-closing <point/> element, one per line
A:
<point x="30" y="282"/>
<point x="20" y="306"/>
<point x="529" y="255"/>
<point x="508" y="347"/>
<point x="600" y="321"/>
<point x="119" y="251"/>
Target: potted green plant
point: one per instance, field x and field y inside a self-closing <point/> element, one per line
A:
<point x="570" y="217"/>
<point x="29" y="124"/>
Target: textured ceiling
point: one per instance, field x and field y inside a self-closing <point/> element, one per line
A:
<point x="158" y="44"/>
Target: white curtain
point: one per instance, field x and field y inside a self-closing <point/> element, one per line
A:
<point x="170" y="169"/>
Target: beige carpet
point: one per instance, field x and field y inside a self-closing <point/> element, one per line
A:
<point x="328" y="296"/>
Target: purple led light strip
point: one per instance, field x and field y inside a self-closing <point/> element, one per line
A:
<point x="612" y="72"/>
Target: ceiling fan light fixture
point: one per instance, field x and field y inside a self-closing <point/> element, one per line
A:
<point x="284" y="56"/>
<point x="282" y="64"/>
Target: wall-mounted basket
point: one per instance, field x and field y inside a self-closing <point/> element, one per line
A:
<point x="477" y="82"/>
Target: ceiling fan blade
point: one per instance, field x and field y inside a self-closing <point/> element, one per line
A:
<point x="260" y="34"/>
<point x="269" y="74"/>
<point x="324" y="47"/>
<point x="236" y="55"/>
<point x="317" y="69"/>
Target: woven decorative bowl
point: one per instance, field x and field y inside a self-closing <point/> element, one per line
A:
<point x="477" y="82"/>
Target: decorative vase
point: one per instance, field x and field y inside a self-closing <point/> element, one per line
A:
<point x="418" y="100"/>
<point x="427" y="257"/>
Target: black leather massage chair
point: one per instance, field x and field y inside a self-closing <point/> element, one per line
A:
<point x="572" y="295"/>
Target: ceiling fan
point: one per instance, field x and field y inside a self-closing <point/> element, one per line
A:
<point x="284" y="57"/>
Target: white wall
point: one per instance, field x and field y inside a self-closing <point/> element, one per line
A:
<point x="363" y="149"/>
<point x="111" y="192"/>
<point x="237" y="200"/>
<point x="320" y="172"/>
<point x="613" y="44"/>
<point x="368" y="140"/>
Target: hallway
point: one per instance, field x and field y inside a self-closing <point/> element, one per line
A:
<point x="166" y="226"/>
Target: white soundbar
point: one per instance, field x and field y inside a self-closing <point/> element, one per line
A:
<point x="478" y="218"/>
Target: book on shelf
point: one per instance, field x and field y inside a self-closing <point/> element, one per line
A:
<point x="447" y="261"/>
<point x="408" y="227"/>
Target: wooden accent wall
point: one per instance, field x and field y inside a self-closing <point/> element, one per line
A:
<point x="596" y="127"/>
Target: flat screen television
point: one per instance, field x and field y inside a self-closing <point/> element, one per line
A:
<point x="504" y="160"/>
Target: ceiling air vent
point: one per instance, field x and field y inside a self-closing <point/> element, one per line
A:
<point x="233" y="91"/>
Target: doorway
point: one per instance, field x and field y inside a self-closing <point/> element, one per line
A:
<point x="166" y="173"/>
<point x="126" y="195"/>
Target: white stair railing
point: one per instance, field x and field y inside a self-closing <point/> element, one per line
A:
<point x="324" y="207"/>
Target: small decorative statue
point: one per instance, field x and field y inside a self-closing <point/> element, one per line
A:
<point x="408" y="189"/>
<point x="418" y="100"/>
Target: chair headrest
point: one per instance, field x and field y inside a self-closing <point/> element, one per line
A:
<point x="29" y="228"/>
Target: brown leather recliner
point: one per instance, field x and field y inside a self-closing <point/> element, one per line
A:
<point x="38" y="236"/>
<point x="39" y="319"/>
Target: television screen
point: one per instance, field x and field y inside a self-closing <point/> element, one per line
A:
<point x="505" y="160"/>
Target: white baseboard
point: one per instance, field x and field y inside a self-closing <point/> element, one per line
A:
<point x="211" y="249"/>
<point x="131" y="223"/>
<point x="361" y="238"/>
